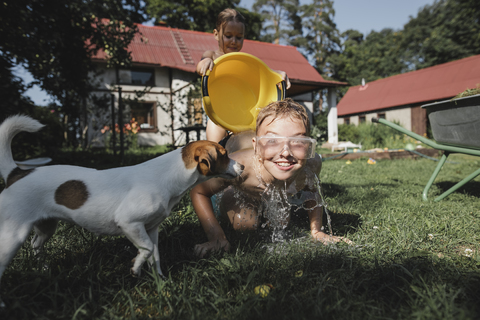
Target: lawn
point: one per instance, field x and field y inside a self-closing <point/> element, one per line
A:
<point x="411" y="259"/>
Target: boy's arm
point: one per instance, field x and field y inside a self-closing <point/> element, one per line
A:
<point x="206" y="62"/>
<point x="316" y="215"/>
<point x="316" y="223"/>
<point x="202" y="204"/>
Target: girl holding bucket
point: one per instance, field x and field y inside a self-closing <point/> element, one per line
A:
<point x="229" y="32"/>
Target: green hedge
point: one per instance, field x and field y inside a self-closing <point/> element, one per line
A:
<point x="372" y="136"/>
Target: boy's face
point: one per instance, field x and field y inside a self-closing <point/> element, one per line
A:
<point x="230" y="39"/>
<point x="282" y="165"/>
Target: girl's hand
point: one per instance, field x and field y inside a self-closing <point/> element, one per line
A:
<point x="284" y="76"/>
<point x="201" y="250"/>
<point x="204" y="65"/>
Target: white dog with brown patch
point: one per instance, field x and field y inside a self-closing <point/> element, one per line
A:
<point x="130" y="201"/>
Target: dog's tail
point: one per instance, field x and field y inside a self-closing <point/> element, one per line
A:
<point x="8" y="129"/>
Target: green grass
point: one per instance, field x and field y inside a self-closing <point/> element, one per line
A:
<point x="408" y="260"/>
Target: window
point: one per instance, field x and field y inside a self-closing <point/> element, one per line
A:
<point x="145" y="115"/>
<point x="361" y="119"/>
<point x="381" y="115"/>
<point x="346" y="120"/>
<point x="137" y="76"/>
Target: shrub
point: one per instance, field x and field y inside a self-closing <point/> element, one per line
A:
<point x="348" y="132"/>
<point x="372" y="136"/>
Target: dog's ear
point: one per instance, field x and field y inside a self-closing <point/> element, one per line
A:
<point x="204" y="166"/>
<point x="203" y="158"/>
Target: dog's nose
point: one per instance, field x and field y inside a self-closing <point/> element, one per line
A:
<point x="238" y="168"/>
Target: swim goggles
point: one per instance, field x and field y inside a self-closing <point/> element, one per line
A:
<point x="272" y="146"/>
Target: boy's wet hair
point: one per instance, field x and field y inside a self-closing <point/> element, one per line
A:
<point x="284" y="108"/>
<point x="226" y="16"/>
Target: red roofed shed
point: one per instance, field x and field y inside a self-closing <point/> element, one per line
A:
<point x="400" y="97"/>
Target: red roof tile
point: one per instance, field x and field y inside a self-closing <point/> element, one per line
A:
<point x="159" y="46"/>
<point x="430" y="84"/>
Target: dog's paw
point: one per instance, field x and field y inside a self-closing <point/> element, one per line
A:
<point x="135" y="274"/>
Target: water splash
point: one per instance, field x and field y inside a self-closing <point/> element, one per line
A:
<point x="275" y="204"/>
<point x="247" y="204"/>
<point x="276" y="210"/>
<point x="313" y="183"/>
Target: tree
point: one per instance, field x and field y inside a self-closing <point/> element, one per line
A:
<point x="376" y="57"/>
<point x="321" y="38"/>
<point x="281" y="19"/>
<point x="55" y="41"/>
<point x="200" y="15"/>
<point x="26" y="145"/>
<point x="343" y="65"/>
<point x="444" y="31"/>
<point x="12" y="92"/>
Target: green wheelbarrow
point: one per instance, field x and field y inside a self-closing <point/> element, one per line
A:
<point x="456" y="129"/>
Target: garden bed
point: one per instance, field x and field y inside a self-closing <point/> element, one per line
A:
<point x="383" y="154"/>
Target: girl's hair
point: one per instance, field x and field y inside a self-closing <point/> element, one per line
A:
<point x="226" y="16"/>
<point x="284" y="108"/>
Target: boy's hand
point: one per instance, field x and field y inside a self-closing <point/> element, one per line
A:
<point x="201" y="250"/>
<point x="328" y="239"/>
<point x="204" y="65"/>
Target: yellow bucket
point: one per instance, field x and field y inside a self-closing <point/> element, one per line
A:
<point x="237" y="88"/>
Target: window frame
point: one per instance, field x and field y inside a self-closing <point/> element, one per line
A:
<point x="151" y="115"/>
<point x="149" y="83"/>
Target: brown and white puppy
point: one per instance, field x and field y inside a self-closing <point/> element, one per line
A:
<point x="130" y="201"/>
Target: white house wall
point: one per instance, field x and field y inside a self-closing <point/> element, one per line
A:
<point x="403" y="116"/>
<point x="160" y="94"/>
<point x="181" y="87"/>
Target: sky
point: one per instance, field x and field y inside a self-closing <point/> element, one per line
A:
<point x="368" y="15"/>
<point x="361" y="15"/>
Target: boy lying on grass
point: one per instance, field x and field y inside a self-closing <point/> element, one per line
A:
<point x="283" y="158"/>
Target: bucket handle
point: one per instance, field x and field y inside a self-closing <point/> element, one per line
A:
<point x="281" y="93"/>
<point x="205" y="86"/>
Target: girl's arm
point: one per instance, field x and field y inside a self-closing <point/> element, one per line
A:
<point x="215" y="133"/>
<point x="206" y="63"/>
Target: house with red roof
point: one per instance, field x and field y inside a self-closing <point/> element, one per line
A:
<point x="163" y="68"/>
<point x="400" y="97"/>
